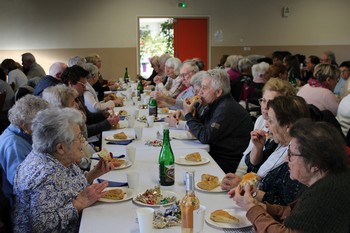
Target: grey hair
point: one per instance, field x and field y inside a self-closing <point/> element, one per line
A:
<point x="92" y="69"/>
<point x="59" y="95"/>
<point x="219" y="80"/>
<point x="331" y="56"/>
<point x="259" y="69"/>
<point x="191" y="64"/>
<point x="196" y="79"/>
<point x="25" y="109"/>
<point x="53" y="126"/>
<point x="28" y="57"/>
<point x="76" y="60"/>
<point x="232" y="61"/>
<point x="175" y="63"/>
<point x="244" y="64"/>
<point x="163" y="58"/>
<point x="57" y="68"/>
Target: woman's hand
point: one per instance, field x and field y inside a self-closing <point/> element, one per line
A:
<point x="243" y="198"/>
<point x="258" y="138"/>
<point x="119" y="102"/>
<point x="101" y="168"/>
<point x="113" y="119"/>
<point x="230" y="181"/>
<point x="89" y="196"/>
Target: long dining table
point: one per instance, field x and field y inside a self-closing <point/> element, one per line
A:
<point x="121" y="216"/>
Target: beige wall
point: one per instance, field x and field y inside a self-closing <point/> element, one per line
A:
<point x="57" y="30"/>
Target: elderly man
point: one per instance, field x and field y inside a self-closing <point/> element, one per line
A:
<point x="33" y="70"/>
<point x="54" y="78"/>
<point x="187" y="70"/>
<point x="221" y="121"/>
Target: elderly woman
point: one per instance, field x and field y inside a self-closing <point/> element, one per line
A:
<point x="174" y="85"/>
<point x="317" y="159"/>
<point x="245" y="69"/>
<point x="16" y="140"/>
<point x="102" y="85"/>
<point x="319" y="90"/>
<point x="273" y="88"/>
<point x="50" y="189"/>
<point x="61" y="96"/>
<point x="267" y="157"/>
<point x="231" y="64"/>
<point x="155" y="65"/>
<point x="187" y="71"/>
<point x="91" y="100"/>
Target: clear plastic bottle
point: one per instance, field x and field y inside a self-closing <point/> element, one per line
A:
<point x="189" y="204"/>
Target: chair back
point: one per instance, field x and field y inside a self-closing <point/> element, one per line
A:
<point x="2" y="100"/>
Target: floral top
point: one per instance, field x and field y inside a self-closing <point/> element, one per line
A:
<point x="44" y="190"/>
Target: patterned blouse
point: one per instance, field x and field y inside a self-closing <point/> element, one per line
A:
<point x="44" y="190"/>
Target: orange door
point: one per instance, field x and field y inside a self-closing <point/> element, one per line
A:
<point x="191" y="39"/>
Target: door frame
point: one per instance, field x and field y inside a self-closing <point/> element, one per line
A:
<point x="138" y="65"/>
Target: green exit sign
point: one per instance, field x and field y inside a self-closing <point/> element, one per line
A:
<point x="182" y="5"/>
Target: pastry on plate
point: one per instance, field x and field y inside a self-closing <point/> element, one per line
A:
<point x="120" y="135"/>
<point x="114" y="194"/>
<point x="122" y="113"/>
<point x="193" y="99"/>
<point x="223" y="216"/>
<point x="195" y="157"/>
<point x="208" y="182"/>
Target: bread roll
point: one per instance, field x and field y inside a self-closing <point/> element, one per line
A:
<point x="195" y="98"/>
<point x="223" y="216"/>
<point x="251" y="179"/>
<point x="195" y="157"/>
<point x="104" y="155"/>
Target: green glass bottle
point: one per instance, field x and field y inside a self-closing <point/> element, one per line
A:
<point x="166" y="161"/>
<point x="153" y="107"/>
<point x="139" y="88"/>
<point x="126" y="75"/>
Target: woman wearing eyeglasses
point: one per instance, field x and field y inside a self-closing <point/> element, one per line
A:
<point x="317" y="159"/>
<point x="269" y="163"/>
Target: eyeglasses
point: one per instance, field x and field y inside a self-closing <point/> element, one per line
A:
<point x="290" y="154"/>
<point x="83" y="84"/>
<point x="262" y="100"/>
<point x="80" y="138"/>
<point x="185" y="74"/>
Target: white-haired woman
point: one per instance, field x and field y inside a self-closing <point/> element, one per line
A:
<point x="174" y="85"/>
<point x="91" y="100"/>
<point x="50" y="189"/>
<point x="16" y="140"/>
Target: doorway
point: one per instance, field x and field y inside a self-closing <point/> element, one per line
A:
<point x="189" y="38"/>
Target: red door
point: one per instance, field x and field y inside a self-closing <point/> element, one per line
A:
<point x="191" y="39"/>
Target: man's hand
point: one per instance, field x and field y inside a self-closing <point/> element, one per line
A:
<point x="188" y="107"/>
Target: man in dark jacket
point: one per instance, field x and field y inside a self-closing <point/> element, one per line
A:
<point x="220" y="122"/>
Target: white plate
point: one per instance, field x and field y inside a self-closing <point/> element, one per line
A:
<point x="182" y="161"/>
<point x="183" y="136"/>
<point x="111" y="138"/>
<point x="236" y="212"/>
<point x="164" y="193"/>
<point x="129" y="193"/>
<point x="215" y="190"/>
<point x="125" y="165"/>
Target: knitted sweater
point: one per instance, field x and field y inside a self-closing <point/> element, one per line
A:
<point x="323" y="207"/>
